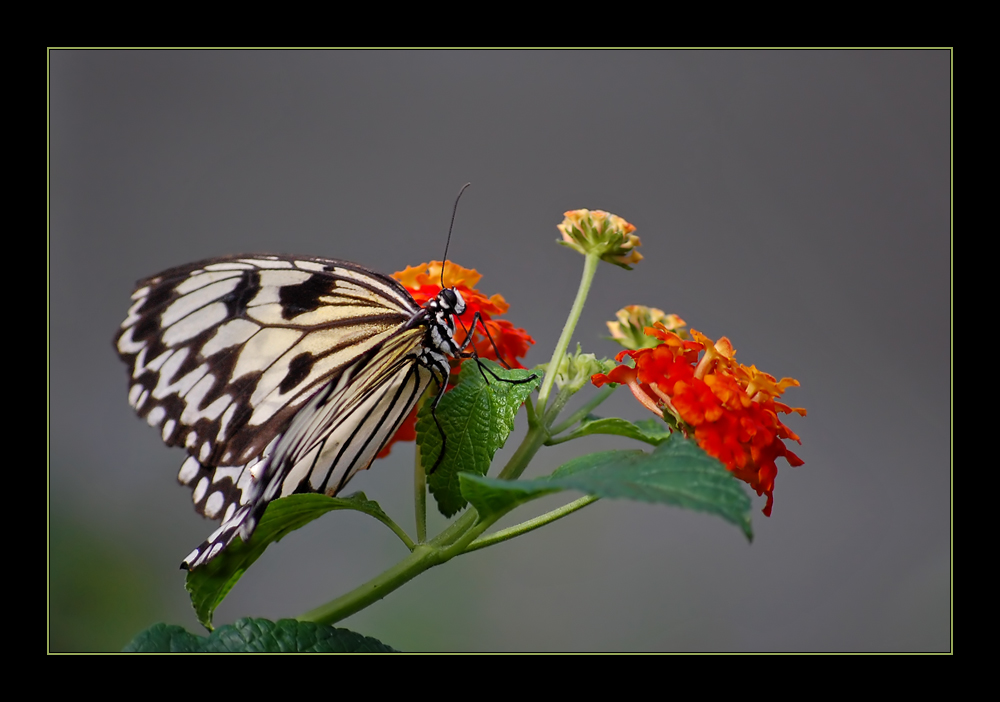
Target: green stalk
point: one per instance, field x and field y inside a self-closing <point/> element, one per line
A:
<point x="531" y="524"/>
<point x="422" y="558"/>
<point x="420" y="497"/>
<point x="589" y="269"/>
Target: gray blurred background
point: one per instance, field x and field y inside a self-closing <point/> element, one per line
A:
<point x="796" y="202"/>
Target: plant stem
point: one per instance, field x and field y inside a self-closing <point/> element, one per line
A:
<point x="589" y="269"/>
<point x="422" y="558"/>
<point x="531" y="524"/>
<point x="533" y="440"/>
<point x="420" y="497"/>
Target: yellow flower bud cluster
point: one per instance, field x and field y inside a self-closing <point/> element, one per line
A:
<point x="602" y="233"/>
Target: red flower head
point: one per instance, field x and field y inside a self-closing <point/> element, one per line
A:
<point x="729" y="408"/>
<point x="424" y="283"/>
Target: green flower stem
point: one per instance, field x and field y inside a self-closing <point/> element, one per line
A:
<point x="592" y="404"/>
<point x="562" y="397"/>
<point x="422" y="558"/>
<point x="589" y="269"/>
<point x="420" y="497"/>
<point x="533" y="440"/>
<point x="531" y="524"/>
<point x="529" y="408"/>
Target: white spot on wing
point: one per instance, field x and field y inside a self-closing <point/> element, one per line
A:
<point x="230" y="266"/>
<point x="233" y="332"/>
<point x="224" y="424"/>
<point x="263" y="349"/>
<point x="211" y="412"/>
<point x="191" y="440"/>
<point x="267" y="263"/>
<point x="168" y="429"/>
<point x="127" y="346"/>
<point x="195" y="323"/>
<point x="183" y="306"/>
<point x="133" y="394"/>
<point x="214" y="504"/>
<point x="142" y="400"/>
<point x="141" y="292"/>
<point x="200" y="490"/>
<point x="201" y="279"/>
<point x="281" y="279"/>
<point x="171" y="364"/>
<point x="155" y="416"/>
<point x="206" y="451"/>
<point x="309" y="265"/>
<point x="229" y="512"/>
<point x="183" y="386"/>
<point x="189" y="469"/>
<point x="131" y="318"/>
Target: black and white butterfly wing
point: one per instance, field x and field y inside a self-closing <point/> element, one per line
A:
<point x="337" y="433"/>
<point x="226" y="352"/>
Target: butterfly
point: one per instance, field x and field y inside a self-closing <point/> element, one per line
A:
<point x="279" y="374"/>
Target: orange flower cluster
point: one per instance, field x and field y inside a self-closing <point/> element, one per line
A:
<point x="730" y="408"/>
<point x="424" y="283"/>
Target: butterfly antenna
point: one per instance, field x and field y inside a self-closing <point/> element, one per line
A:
<point x="454" y="211"/>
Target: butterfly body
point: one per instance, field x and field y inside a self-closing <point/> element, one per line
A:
<point x="278" y="374"/>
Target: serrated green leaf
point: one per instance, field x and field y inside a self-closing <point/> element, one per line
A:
<point x="476" y="417"/>
<point x="209" y="584"/>
<point x="257" y="636"/>
<point x="648" y="431"/>
<point x="164" y="638"/>
<point x="678" y="472"/>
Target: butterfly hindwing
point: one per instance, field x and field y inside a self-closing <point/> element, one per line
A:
<point x="337" y="433"/>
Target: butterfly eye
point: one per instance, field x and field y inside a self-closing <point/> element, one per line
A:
<point x="449" y="299"/>
<point x="457" y="302"/>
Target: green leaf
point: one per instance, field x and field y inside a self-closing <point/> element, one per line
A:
<point x="477" y="417"/>
<point x="655" y="429"/>
<point x="209" y="584"/>
<point x="491" y="496"/>
<point x="650" y="430"/>
<point x="257" y="636"/>
<point x="678" y="472"/>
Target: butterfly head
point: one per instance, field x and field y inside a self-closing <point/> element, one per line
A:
<point x="442" y="311"/>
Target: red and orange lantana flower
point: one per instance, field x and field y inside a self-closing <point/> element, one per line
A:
<point x="729" y="408"/>
<point x="424" y="283"/>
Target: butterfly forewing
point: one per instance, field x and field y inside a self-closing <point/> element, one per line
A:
<point x="230" y="354"/>
<point x="224" y="352"/>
